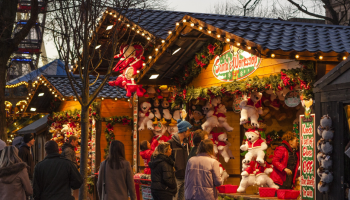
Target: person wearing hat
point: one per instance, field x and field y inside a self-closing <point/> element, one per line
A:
<point x="25" y="152"/>
<point x="55" y="176"/>
<point x="2" y="146"/>
<point x="179" y="145"/>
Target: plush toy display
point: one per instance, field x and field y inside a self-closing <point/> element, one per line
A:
<point x="326" y="121"/>
<point x="145" y="116"/>
<point x="221" y="110"/>
<point x="130" y="56"/>
<point x="223" y="173"/>
<point x="262" y="175"/>
<point x="159" y="131"/>
<point x="269" y="155"/>
<point x="211" y="119"/>
<point x="150" y="92"/>
<point x="165" y="109"/>
<point x="223" y="146"/>
<point x="172" y="128"/>
<point x="196" y="117"/>
<point x="130" y="84"/>
<point x="155" y="108"/>
<point x="255" y="146"/>
<point x="176" y="112"/>
<point x="323" y="187"/>
<point x="251" y="108"/>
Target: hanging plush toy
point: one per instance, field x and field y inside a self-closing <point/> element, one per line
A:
<point x="196" y="117"/>
<point x="165" y="110"/>
<point x="223" y="146"/>
<point x="221" y="110"/>
<point x="255" y="146"/>
<point x="176" y="112"/>
<point x="130" y="56"/>
<point x="251" y="108"/>
<point x="155" y="108"/>
<point x="212" y="120"/>
<point x="130" y="84"/>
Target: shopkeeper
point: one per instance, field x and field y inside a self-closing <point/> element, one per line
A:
<point x="286" y="162"/>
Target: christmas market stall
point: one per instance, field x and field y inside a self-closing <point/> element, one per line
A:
<point x="110" y="117"/>
<point x="332" y="112"/>
<point x="249" y="83"/>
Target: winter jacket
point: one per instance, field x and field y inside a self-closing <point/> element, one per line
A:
<point x="69" y="153"/>
<point x="162" y="175"/>
<point x="192" y="153"/>
<point x="26" y="156"/>
<point x="146" y="156"/>
<point x="202" y="176"/>
<point x="280" y="161"/>
<point x="179" y="155"/>
<point x="14" y="182"/>
<point x="118" y="183"/>
<point x="54" y="177"/>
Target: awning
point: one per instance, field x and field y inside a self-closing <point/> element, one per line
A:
<point x="35" y="127"/>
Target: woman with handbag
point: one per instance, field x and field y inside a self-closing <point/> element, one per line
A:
<point x="163" y="185"/>
<point x="115" y="178"/>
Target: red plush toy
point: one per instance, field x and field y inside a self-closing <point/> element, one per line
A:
<point x="130" y="56"/>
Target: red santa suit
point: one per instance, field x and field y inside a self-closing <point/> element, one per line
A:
<point x="251" y="103"/>
<point x="131" y="87"/>
<point x="252" y="145"/>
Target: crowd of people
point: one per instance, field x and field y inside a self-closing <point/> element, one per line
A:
<point x="53" y="178"/>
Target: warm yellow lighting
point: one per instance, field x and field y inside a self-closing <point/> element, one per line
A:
<point x="184" y="20"/>
<point x="163" y="41"/>
<point x="228" y="40"/>
<point x="143" y="34"/>
<point x="192" y="24"/>
<point x="297" y="56"/>
<point x="344" y="57"/>
<point x="320" y="57"/>
<point x="75" y="99"/>
<point x="238" y="44"/>
<point x="148" y="38"/>
<point x="249" y="48"/>
<point x="149" y="57"/>
<point x="273" y="55"/>
<point x="156" y="49"/>
<point x="138" y="71"/>
<point x="209" y="32"/>
<point x="177" y="24"/>
<point x="62" y="99"/>
<point x="128" y="25"/>
<point x="102" y="98"/>
<point x="218" y="36"/>
<point x="50" y="89"/>
<point x="116" y="99"/>
<point x="53" y="92"/>
<point x="137" y="31"/>
<point x="144" y="64"/>
<point x="170" y="32"/>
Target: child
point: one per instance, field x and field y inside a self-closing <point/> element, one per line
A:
<point x="198" y="136"/>
<point x="146" y="153"/>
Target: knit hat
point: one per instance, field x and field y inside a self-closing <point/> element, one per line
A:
<point x="28" y="137"/>
<point x="51" y="147"/>
<point x="2" y="145"/>
<point x="183" y="125"/>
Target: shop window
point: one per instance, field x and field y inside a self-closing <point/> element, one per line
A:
<point x="20" y="91"/>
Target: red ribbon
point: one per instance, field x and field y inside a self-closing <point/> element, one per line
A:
<point x="211" y="49"/>
<point x="199" y="63"/>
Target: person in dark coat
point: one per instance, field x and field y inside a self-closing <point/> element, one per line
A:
<point x="2" y="145"/>
<point x="286" y="162"/>
<point x="198" y="136"/>
<point x="25" y="153"/>
<point x="68" y="149"/>
<point x="162" y="173"/>
<point x="180" y="151"/>
<point x="55" y="176"/>
<point x="115" y="177"/>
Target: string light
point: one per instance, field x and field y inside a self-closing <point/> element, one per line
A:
<point x="320" y="57"/>
<point x="143" y="34"/>
<point x="228" y="40"/>
<point x="116" y="99"/>
<point x="273" y="55"/>
<point x="163" y="41"/>
<point x="156" y="49"/>
<point x="177" y="24"/>
<point x="170" y="32"/>
<point x="297" y="56"/>
<point x="238" y="44"/>
<point x="184" y="20"/>
<point x="200" y="28"/>
<point x="344" y="57"/>
<point x="209" y="31"/>
<point x="249" y="48"/>
<point x="102" y="98"/>
<point x="218" y="36"/>
<point x="192" y="24"/>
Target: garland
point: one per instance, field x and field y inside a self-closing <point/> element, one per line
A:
<point x="303" y="77"/>
<point x="91" y="184"/>
<point x="125" y="120"/>
<point x="200" y="61"/>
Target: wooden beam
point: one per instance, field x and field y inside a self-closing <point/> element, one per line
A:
<point x="156" y="82"/>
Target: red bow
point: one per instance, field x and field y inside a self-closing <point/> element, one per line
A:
<point x="199" y="63"/>
<point x="109" y="127"/>
<point x="285" y="78"/>
<point x="303" y="84"/>
<point x="211" y="49"/>
<point x="125" y="121"/>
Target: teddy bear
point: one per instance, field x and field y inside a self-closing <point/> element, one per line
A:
<point x="221" y="110"/>
<point x="223" y="145"/>
<point x="215" y="101"/>
<point x="196" y="117"/>
<point x="129" y="56"/>
<point x="145" y="116"/>
<point x="150" y="92"/>
<point x="164" y="92"/>
<point x="155" y="108"/>
<point x="248" y="177"/>
<point x="211" y="119"/>
<point x="223" y="173"/>
<point x="254" y="145"/>
<point x="269" y="155"/>
<point x="251" y="108"/>
<point x="262" y="175"/>
<point x="165" y="109"/>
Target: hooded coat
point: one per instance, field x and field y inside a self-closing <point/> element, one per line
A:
<point x="54" y="177"/>
<point x="162" y="175"/>
<point x="69" y="153"/>
<point x="179" y="155"/>
<point x="14" y="182"/>
<point x="26" y="156"/>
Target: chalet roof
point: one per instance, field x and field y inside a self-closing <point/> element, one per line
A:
<point x="62" y="85"/>
<point x="272" y="34"/>
<point x="34" y="127"/>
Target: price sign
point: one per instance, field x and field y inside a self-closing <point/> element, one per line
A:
<point x="308" y="161"/>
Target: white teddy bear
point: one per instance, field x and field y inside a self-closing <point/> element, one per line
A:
<point x="262" y="178"/>
<point x="255" y="146"/>
<point x="248" y="177"/>
<point x="223" y="146"/>
<point x="223" y="173"/>
<point x="251" y="108"/>
<point x="212" y="120"/>
<point x="221" y="110"/>
<point x="145" y="116"/>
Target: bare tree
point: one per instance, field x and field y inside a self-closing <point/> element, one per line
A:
<point x="8" y="45"/>
<point x="236" y="7"/>
<point x="77" y="37"/>
<point x="337" y="10"/>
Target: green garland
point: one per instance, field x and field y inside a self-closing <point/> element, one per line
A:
<point x="200" y="61"/>
<point x="91" y="184"/>
<point x="110" y="122"/>
<point x="303" y="77"/>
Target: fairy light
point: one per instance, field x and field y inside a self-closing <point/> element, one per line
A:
<point x="177" y="24"/>
<point x="344" y="57"/>
<point x="249" y="48"/>
<point x="238" y="44"/>
<point x="163" y="41"/>
<point x="273" y="55"/>
<point x="218" y="36"/>
<point x="170" y="32"/>
<point x="156" y="49"/>
<point x="297" y="56"/>
<point x="184" y="20"/>
<point x="228" y="40"/>
<point x="200" y="28"/>
<point x="192" y="24"/>
<point x="320" y="57"/>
